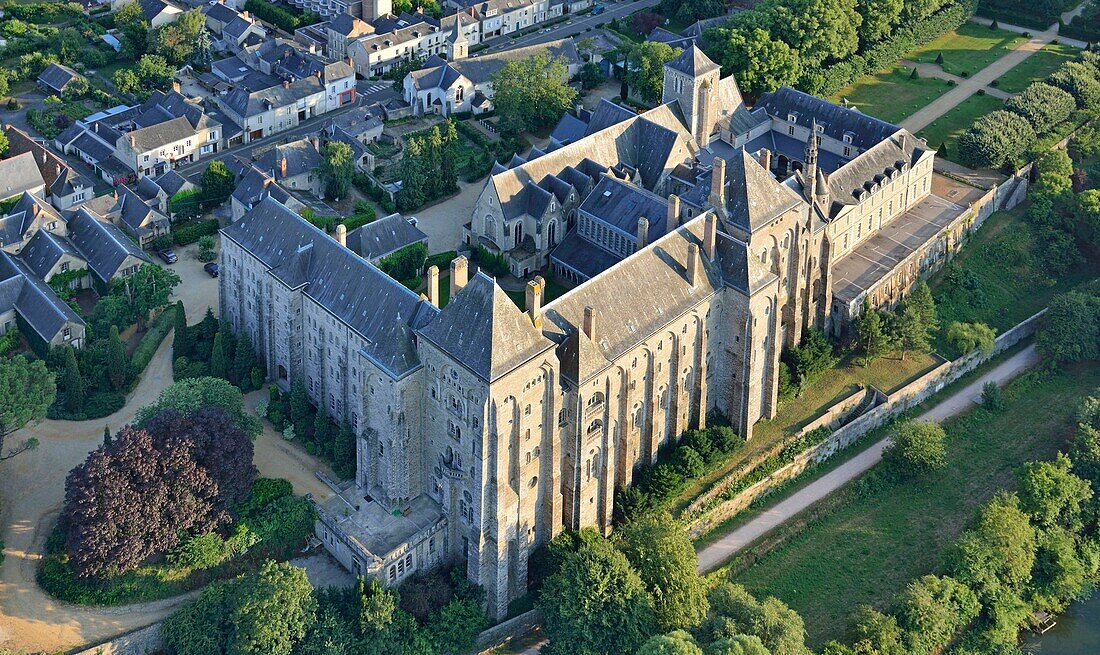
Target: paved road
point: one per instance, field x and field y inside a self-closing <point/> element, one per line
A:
<point x="722" y="550"/>
<point x="576" y="26"/>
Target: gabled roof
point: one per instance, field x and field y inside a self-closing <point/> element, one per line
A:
<point x="18" y="174"/>
<point x="484" y="330"/>
<point x="136" y="214"/>
<point x="753" y="197"/>
<point x="101" y="244"/>
<point x="171" y="183"/>
<point x="44" y="250"/>
<point x="620" y="204"/>
<point x="57" y="76"/>
<point x="245" y="103"/>
<point x="220" y="12"/>
<point x="692" y="61"/>
<point x="349" y="26"/>
<point x="384" y="236"/>
<point x="301" y="158"/>
<point x="834" y="120"/>
<point x="33" y="299"/>
<point x="60" y="179"/>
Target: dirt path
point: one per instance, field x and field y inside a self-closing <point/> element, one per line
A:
<point x="722" y="550"/>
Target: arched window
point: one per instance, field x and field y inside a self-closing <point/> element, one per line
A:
<point x="595" y="401"/>
<point x="517" y="233"/>
<point x="595" y="426"/>
<point x="551" y="235"/>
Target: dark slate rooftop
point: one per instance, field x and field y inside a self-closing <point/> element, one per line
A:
<point x="44" y="250"/>
<point x="834" y="120"/>
<point x="692" y="61"/>
<point x="18" y="174"/>
<point x="484" y="330"/>
<point x="101" y="244"/>
<point x="57" y="76"/>
<point x="301" y="158"/>
<point x="584" y="257"/>
<point x="620" y="205"/>
<point x="384" y="236"/>
<point x="753" y="197"/>
<point x="377" y="307"/>
<point x="33" y="299"/>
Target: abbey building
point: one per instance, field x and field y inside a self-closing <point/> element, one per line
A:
<point x="698" y="240"/>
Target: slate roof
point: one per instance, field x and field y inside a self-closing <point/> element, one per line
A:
<point x="18" y="174"/>
<point x="153" y="8"/>
<point x="33" y="299"/>
<point x="60" y="179"/>
<point x="834" y="120"/>
<point x="136" y="214"/>
<point x="607" y="114"/>
<point x="57" y="76"/>
<point x="620" y="205"/>
<point x="245" y="103"/>
<point x="739" y="270"/>
<point x="583" y="256"/>
<point x="301" y="158"/>
<point x="384" y="236"/>
<point x="102" y="245"/>
<point x="892" y="155"/>
<point x="377" y="307"/>
<point x="171" y="182"/>
<point x="220" y="12"/>
<point x="255" y="184"/>
<point x="44" y="250"/>
<point x="569" y="129"/>
<point x="347" y="25"/>
<point x="692" y="61"/>
<point x="21" y="217"/>
<point x="753" y="197"/>
<point x="484" y="330"/>
<point x="157" y="136"/>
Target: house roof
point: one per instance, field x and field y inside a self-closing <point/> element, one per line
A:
<point x="753" y="197"/>
<point x="301" y="158"/>
<point x="33" y="299"/>
<point x="58" y="76"/>
<point x="620" y="205"/>
<point x="384" y="236"/>
<point x="101" y="244"/>
<point x="60" y="179"/>
<point x="18" y="174"/>
<point x="44" y="250"/>
<point x="833" y="120"/>
<point x="484" y="330"/>
<point x="245" y="103"/>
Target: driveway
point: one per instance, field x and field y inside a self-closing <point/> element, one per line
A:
<point x="734" y="542"/>
<point x="443" y="221"/>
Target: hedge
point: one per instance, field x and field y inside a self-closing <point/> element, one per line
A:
<point x="149" y="343"/>
<point x="830" y="79"/>
<point x="192" y="232"/>
<point x="995" y="139"/>
<point x="1043" y="105"/>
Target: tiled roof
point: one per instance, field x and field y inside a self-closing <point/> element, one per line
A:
<point x="102" y="245"/>
<point x="384" y="236"/>
<point x="57" y="76"/>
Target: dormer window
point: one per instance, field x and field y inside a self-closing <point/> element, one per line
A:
<point x="792" y="117"/>
<point x="821" y="128"/>
<point x="847" y="137"/>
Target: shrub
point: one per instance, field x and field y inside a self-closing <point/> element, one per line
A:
<point x="494" y="264"/>
<point x="406" y="262"/>
<point x="995" y="139"/>
<point x="1043" y="105"/>
<point x="1079" y="80"/>
<point x="201" y="552"/>
<point x="689" y="463"/>
<point x="189" y="233"/>
<point x="917" y="448"/>
<point x="967" y="337"/>
<point x="992" y="397"/>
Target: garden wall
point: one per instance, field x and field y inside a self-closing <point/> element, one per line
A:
<point x="139" y="642"/>
<point x="510" y="629"/>
<point x="904" y="398"/>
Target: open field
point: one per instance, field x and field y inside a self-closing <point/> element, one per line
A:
<point x="865" y="543"/>
<point x="1038" y="66"/>
<point x="891" y="94"/>
<point x="968" y="49"/>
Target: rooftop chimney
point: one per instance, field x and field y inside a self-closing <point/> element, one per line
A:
<point x="534" y="300"/>
<point x="901" y="140"/>
<point x="710" y="235"/>
<point x="433" y="285"/>
<point x="718" y="183"/>
<point x="315" y="143"/>
<point x="342" y="235"/>
<point x="766" y="159"/>
<point x="589" y="326"/>
<point x="693" y="264"/>
<point x="673" y="220"/>
<point x="282" y="167"/>
<point x="460" y="273"/>
<point x="643" y="231"/>
<point x="176" y="86"/>
<point x="286" y="84"/>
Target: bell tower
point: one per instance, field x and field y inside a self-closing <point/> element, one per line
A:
<point x="691" y="80"/>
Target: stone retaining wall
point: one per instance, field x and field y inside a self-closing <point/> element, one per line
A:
<point x="904" y="398"/>
<point x="139" y="642"/>
<point x="502" y="632"/>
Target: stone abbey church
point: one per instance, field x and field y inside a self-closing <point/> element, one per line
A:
<point x="698" y="238"/>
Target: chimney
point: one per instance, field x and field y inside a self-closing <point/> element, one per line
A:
<point x="710" y="235"/>
<point x="116" y="195"/>
<point x="176" y="86"/>
<point x="693" y="264"/>
<point x="433" y="285"/>
<point x="590" y="322"/>
<point x="45" y="156"/>
<point x="766" y="159"/>
<point x="244" y="15"/>
<point x="349" y="61"/>
<point x="286" y="84"/>
<point x="342" y="235"/>
<point x="673" y="220"/>
<point x="534" y="300"/>
<point x="316" y="144"/>
<point x="460" y="272"/>
<point x="133" y="142"/>
<point x="718" y="183"/>
<point x="282" y="167"/>
<point x="901" y="140"/>
<point x="643" y="231"/>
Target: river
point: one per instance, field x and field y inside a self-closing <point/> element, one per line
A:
<point x="1077" y="632"/>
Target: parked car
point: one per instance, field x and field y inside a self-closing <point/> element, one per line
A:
<point x="168" y="255"/>
<point x="598" y="9"/>
<point x="211" y="268"/>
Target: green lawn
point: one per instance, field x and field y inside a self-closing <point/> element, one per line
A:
<point x="968" y="49"/>
<point x="1002" y="285"/>
<point x="891" y="94"/>
<point x="1038" y="66"/>
<point x="866" y="542"/>
<point x="887" y="374"/>
<point x="947" y="128"/>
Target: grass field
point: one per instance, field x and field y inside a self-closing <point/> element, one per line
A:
<point x="1002" y="284"/>
<point x="892" y="95"/>
<point x="887" y="374"/>
<point x="1038" y="66"/>
<point x="866" y="542"/>
<point x="947" y="128"/>
<point x="968" y="49"/>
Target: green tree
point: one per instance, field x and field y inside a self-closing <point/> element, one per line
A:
<point x="916" y="321"/>
<point x="1055" y="173"/>
<point x="661" y="552"/>
<point x="591" y="76"/>
<point x="995" y="139"/>
<point x="998" y="554"/>
<point x="130" y="20"/>
<point x="321" y="436"/>
<point x="146" y="290"/>
<point x="967" y="337"/>
<point x="874" y="341"/>
<point x="377" y="607"/>
<point x="243" y="361"/>
<point x="531" y="93"/>
<point x="1043" y="105"/>
<point x="674" y="643"/>
<point x="454" y="629"/>
<point x="820" y="30"/>
<point x="933" y="610"/>
<point x="738" y="645"/>
<point x="645" y="68"/>
<point x="878" y="633"/>
<point x="1053" y="495"/>
<point x="337" y="168"/>
<point x="1060" y="574"/>
<point x="27" y="390"/>
<point x="181" y="342"/>
<point x="192" y="394"/>
<point x="343" y="452"/>
<point x="71" y="382"/>
<point x="759" y="63"/>
<point x="414" y="175"/>
<point x="219" y="361"/>
<point x="1070" y="330"/>
<point x="880" y="17"/>
<point x="1086" y="213"/>
<point x="217" y="182"/>
<point x="917" y="448"/>
<point x="594" y="590"/>
<point x="812" y="358"/>
<point x="118" y="363"/>
<point x="733" y="611"/>
<point x="176" y="41"/>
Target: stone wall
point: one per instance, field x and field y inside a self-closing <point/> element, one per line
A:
<point x="502" y="632"/>
<point x="139" y="642"/>
<point x="904" y="398"/>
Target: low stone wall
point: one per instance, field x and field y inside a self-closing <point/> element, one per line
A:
<point x="139" y="642"/>
<point x="904" y="398"/>
<point x="502" y="632"/>
<point x="845" y="409"/>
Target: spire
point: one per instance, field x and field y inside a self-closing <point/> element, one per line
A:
<point x="809" y="175"/>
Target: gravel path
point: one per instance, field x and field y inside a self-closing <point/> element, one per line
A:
<point x="722" y="550"/>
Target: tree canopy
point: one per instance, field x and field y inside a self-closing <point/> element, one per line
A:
<point x="645" y="68"/>
<point x="532" y="93"/>
<point x="337" y="168"/>
<point x="27" y="390"/>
